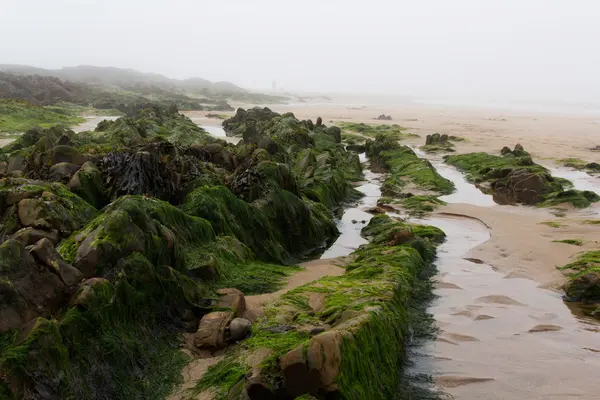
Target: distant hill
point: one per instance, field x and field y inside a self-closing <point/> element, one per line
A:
<point x="120" y="77"/>
<point x="40" y="90"/>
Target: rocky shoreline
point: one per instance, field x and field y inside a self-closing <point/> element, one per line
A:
<point x="132" y="234"/>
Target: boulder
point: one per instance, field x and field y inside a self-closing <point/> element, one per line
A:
<point x="316" y="367"/>
<point x="233" y="299"/>
<point x="336" y="132"/>
<point x="62" y="172"/>
<point x="67" y="154"/>
<point x="298" y="379"/>
<point x="505" y="150"/>
<point x="46" y="254"/>
<point x="319" y="121"/>
<point x="28" y="290"/>
<point x="88" y="184"/>
<point x="28" y="236"/>
<point x="86" y="296"/>
<point x="523" y="186"/>
<point x="63" y="140"/>
<point x="115" y="238"/>
<point x="239" y="329"/>
<point x="32" y="212"/>
<point x="16" y="162"/>
<point x="384" y="117"/>
<point x="212" y="331"/>
<point x="268" y="144"/>
<point x="585" y="287"/>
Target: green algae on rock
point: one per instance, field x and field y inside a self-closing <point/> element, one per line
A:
<point x="584" y="277"/>
<point x="393" y="131"/>
<point x="342" y="335"/>
<point x="41" y="205"/>
<point x="405" y="167"/>
<point x="514" y="178"/>
<point x="437" y="143"/>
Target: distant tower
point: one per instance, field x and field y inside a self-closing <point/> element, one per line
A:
<point x="274" y="86"/>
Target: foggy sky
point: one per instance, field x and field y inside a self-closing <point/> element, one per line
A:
<point x="517" y="48"/>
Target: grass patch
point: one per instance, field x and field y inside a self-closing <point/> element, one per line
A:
<point x="20" y="116"/>
<point x="574" y="242"/>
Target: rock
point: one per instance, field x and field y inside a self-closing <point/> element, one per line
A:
<point x="384" y="117"/>
<point x="298" y="380"/>
<point x="239" y="329"/>
<point x="505" y="150"/>
<point x="319" y="121"/>
<point x="233" y="299"/>
<point x="593" y="166"/>
<point x="45" y="253"/>
<point x="250" y="135"/>
<point x="324" y="358"/>
<point x="86" y="296"/>
<point x="27" y="290"/>
<point x="64" y="140"/>
<point x="115" y="238"/>
<point x="316" y="330"/>
<point x="400" y="237"/>
<point x="524" y="186"/>
<point x="336" y="132"/>
<point x="16" y="162"/>
<point x="314" y="368"/>
<point x="67" y="154"/>
<point x="518" y="147"/>
<point x="268" y="144"/>
<point x="28" y="236"/>
<point x="211" y="332"/>
<point x="585" y="287"/>
<point x="259" y="388"/>
<point x="62" y="172"/>
<point x="32" y="213"/>
<point x="88" y="184"/>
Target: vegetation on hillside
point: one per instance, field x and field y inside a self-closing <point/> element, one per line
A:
<point x="20" y="116"/>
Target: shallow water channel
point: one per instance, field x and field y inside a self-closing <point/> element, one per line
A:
<point x="499" y="338"/>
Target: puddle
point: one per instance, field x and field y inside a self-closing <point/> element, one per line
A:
<point x="465" y="192"/>
<point x="350" y="239"/>
<point x="90" y="123"/>
<point x="503" y="338"/>
<point x="581" y="180"/>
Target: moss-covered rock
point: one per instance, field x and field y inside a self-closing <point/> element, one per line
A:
<point x="438" y="143"/>
<point x="405" y="167"/>
<point x="584" y="277"/>
<point x="41" y="205"/>
<point x="363" y="315"/>
<point x="514" y="178"/>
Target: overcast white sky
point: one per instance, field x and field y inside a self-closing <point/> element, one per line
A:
<point x="523" y="48"/>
